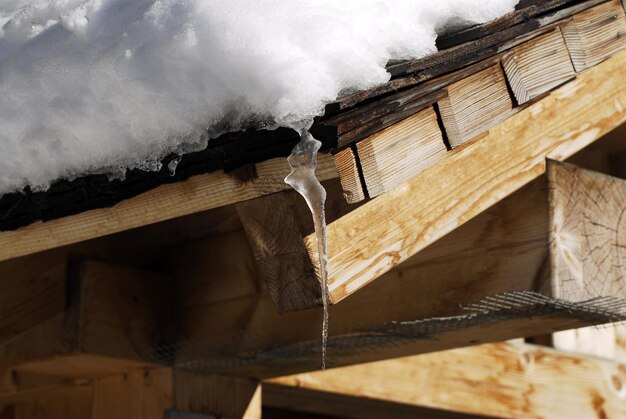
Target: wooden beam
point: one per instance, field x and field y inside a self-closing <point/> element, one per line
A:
<point x="502" y="380"/>
<point x="135" y="395"/>
<point x="393" y="156"/>
<point x="244" y="333"/>
<point x="199" y="193"/>
<point x="113" y="313"/>
<point x="372" y="239"/>
<point x="595" y="34"/>
<point x="538" y="66"/>
<point x="275" y="226"/>
<point x="475" y="104"/>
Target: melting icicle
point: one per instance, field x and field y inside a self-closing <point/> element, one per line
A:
<point x="173" y="164"/>
<point x="303" y="161"/>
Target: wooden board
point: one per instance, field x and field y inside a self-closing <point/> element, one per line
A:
<point x="199" y="193"/>
<point x="379" y="235"/>
<point x="393" y="156"/>
<point x="596" y="34"/>
<point x="410" y="73"/>
<point x="501" y="380"/>
<point x="475" y="104"/>
<point x="538" y="66"/>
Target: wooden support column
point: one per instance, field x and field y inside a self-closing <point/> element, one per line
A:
<point x="114" y="313"/>
<point x="595" y="34"/>
<point x="538" y="66"/>
<point x="475" y="104"/>
<point x="502" y="380"/>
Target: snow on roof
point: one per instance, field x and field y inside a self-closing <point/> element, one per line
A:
<point x="90" y="86"/>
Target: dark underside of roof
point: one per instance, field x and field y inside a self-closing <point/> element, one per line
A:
<point x="349" y="119"/>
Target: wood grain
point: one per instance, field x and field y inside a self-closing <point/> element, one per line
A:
<point x="588" y="233"/>
<point x="382" y="233"/>
<point x="538" y="66"/>
<point x="475" y="104"/>
<point x="199" y="193"/>
<point x="275" y="234"/>
<point x="502" y="380"/>
<point x="112" y="312"/>
<point x="596" y="34"/>
<point x="348" y="170"/>
<point x="393" y="156"/>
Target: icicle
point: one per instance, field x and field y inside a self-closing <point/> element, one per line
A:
<point x="303" y="161"/>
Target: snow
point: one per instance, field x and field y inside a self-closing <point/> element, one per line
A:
<point x="92" y="86"/>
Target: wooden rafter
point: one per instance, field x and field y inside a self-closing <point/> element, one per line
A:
<point x="377" y="236"/>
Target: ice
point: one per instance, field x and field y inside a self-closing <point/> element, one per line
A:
<point x="303" y="162"/>
<point x="90" y="86"/>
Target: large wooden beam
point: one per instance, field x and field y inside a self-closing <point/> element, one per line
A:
<point x="199" y="193"/>
<point x="379" y="235"/>
<point x="502" y="380"/>
<point x="113" y="313"/>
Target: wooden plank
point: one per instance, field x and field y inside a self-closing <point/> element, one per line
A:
<point x="379" y="235"/>
<point x="393" y="156"/>
<point x="232" y="397"/>
<point x="596" y="34"/>
<point x="538" y="66"/>
<point x="297" y="401"/>
<point x="348" y="170"/>
<point x="113" y="312"/>
<point x="474" y="105"/>
<point x="502" y="380"/>
<point x="199" y="193"/>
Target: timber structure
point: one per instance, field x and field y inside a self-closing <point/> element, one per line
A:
<point x="476" y="199"/>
